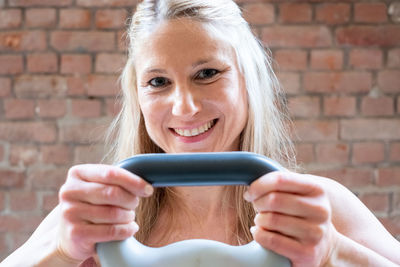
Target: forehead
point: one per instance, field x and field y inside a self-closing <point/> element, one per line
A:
<point x="181" y="41"/>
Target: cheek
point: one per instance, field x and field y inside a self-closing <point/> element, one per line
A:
<point x="147" y="107"/>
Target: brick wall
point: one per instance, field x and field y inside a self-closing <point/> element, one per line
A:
<point x="339" y="62"/>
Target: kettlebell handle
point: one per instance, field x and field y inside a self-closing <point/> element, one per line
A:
<point x="193" y="169"/>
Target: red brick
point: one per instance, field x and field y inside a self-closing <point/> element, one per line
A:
<point x="332" y="153"/>
<point x="42" y="132"/>
<point x="259" y="13"/>
<point x="40" y="86"/>
<point x="11" y="179"/>
<point x="83" y="132"/>
<point x="370" y="129"/>
<point x="366" y="59"/>
<point x="110" y="18"/>
<point x="313" y="131"/>
<point x="113" y="107"/>
<point x="5" y="248"/>
<point x="85" y="108"/>
<point x="47" y="178"/>
<point x="23" y="41"/>
<point x="23" y="201"/>
<point x="398" y="104"/>
<point x="350" y="177"/>
<point x="110" y="63"/>
<point x="10" y="18"/>
<point x="396" y="204"/>
<point x="23" y="155"/>
<point x="335" y="82"/>
<point x="370" y="12"/>
<point x="42" y="63"/>
<point x="35" y="3"/>
<point x="5" y="87"/>
<point x="102" y="85"/>
<point x="295" y="12"/>
<point x="392" y="224"/>
<point x="394" y="154"/>
<point x="296" y="36"/>
<point x="290" y="82"/>
<point x="107" y="3"/>
<point x="92" y="41"/>
<point x="381" y="106"/>
<point x="56" y="154"/>
<point x="326" y="59"/>
<point x="40" y="18"/>
<point x="122" y="40"/>
<point x="333" y="13"/>
<point x="75" y="18"/>
<point x="372" y="152"/>
<point x="291" y="59"/>
<point x="2" y="202"/>
<point x="11" y="64"/>
<point x="19" y="108"/>
<point x="88" y="154"/>
<point x="339" y="106"/>
<point x="388" y="35"/>
<point x="2" y="156"/>
<point x="20" y="225"/>
<point x="389" y="81"/>
<point x="76" y="64"/>
<point x="394" y="11"/>
<point x="376" y="202"/>
<point x="305" y="153"/>
<point x="304" y="106"/>
<point x="394" y="58"/>
<point x="50" y="201"/>
<point x="51" y="108"/>
<point x="388" y="176"/>
<point x="77" y="85"/>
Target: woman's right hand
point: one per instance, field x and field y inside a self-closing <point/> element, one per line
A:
<point x="97" y="204"/>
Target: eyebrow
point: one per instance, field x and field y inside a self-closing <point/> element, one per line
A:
<point x="197" y="63"/>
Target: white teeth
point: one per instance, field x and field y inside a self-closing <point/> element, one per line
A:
<point x="195" y="131"/>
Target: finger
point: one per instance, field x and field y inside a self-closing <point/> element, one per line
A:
<point x="288" y="182"/>
<point x="95" y="233"/>
<point x="299" y="229"/>
<point x="113" y="175"/>
<point x="315" y="209"/>
<point x="78" y="212"/>
<point x="280" y="244"/>
<point x="99" y="194"/>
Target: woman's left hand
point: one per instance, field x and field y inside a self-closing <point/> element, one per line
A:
<point x="293" y="217"/>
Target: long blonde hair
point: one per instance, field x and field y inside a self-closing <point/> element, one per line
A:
<point x="266" y="132"/>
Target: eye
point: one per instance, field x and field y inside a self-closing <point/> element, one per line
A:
<point x="158" y="82"/>
<point x="206" y="74"/>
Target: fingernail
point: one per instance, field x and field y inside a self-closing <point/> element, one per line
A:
<point x="148" y="190"/>
<point x="247" y="196"/>
<point x="252" y="229"/>
<point x="135" y="227"/>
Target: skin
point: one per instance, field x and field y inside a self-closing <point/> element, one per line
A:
<point x="186" y="78"/>
<point x="299" y="216"/>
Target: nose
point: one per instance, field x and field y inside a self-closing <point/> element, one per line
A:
<point x="185" y="103"/>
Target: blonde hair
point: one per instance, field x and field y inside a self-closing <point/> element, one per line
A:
<point x="266" y="132"/>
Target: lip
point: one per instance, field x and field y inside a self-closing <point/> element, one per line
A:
<point x="194" y="139"/>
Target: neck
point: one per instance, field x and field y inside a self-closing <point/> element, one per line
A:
<point x="204" y="202"/>
<point x="200" y="212"/>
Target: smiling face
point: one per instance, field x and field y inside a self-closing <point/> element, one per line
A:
<point x="191" y="93"/>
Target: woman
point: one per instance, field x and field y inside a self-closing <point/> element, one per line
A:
<point x="198" y="81"/>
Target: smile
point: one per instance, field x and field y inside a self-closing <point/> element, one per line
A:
<point x="195" y="131"/>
